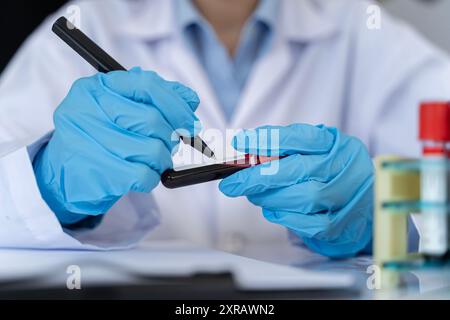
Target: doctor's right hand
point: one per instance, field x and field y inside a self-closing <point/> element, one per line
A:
<point x="114" y="133"/>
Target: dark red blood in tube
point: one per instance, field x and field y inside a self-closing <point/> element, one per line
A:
<point x="176" y="179"/>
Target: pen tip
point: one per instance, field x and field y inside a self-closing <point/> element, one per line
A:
<point x="210" y="154"/>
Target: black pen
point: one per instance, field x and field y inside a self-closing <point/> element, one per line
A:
<point x="103" y="62"/>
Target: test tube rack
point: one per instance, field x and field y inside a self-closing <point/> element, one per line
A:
<point x="397" y="195"/>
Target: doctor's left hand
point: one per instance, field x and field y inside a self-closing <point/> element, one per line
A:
<point x="322" y="190"/>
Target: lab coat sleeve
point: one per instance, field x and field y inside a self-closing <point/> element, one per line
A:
<point x="27" y="222"/>
<point x="395" y="69"/>
<point x="31" y="87"/>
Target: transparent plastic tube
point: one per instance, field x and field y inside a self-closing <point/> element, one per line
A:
<point x="435" y="189"/>
<point x="434" y="132"/>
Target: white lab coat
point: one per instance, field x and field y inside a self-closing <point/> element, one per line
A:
<point x="326" y="66"/>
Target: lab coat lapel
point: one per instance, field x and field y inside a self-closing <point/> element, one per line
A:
<point x="300" y="22"/>
<point x="179" y="60"/>
<point x="267" y="75"/>
<point x="189" y="71"/>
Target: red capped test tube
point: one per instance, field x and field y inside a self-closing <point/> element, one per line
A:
<point x="435" y="186"/>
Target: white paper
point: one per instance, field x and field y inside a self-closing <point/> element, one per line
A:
<point x="158" y="259"/>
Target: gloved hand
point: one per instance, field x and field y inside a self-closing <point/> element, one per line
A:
<point x="114" y="133"/>
<point x="322" y="191"/>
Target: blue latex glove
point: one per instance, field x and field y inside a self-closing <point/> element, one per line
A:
<point x="114" y="133"/>
<point x="321" y="192"/>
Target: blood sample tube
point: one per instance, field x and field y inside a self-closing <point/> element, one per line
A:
<point x="435" y="136"/>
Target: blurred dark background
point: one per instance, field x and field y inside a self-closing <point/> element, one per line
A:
<point x="18" y="18"/>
